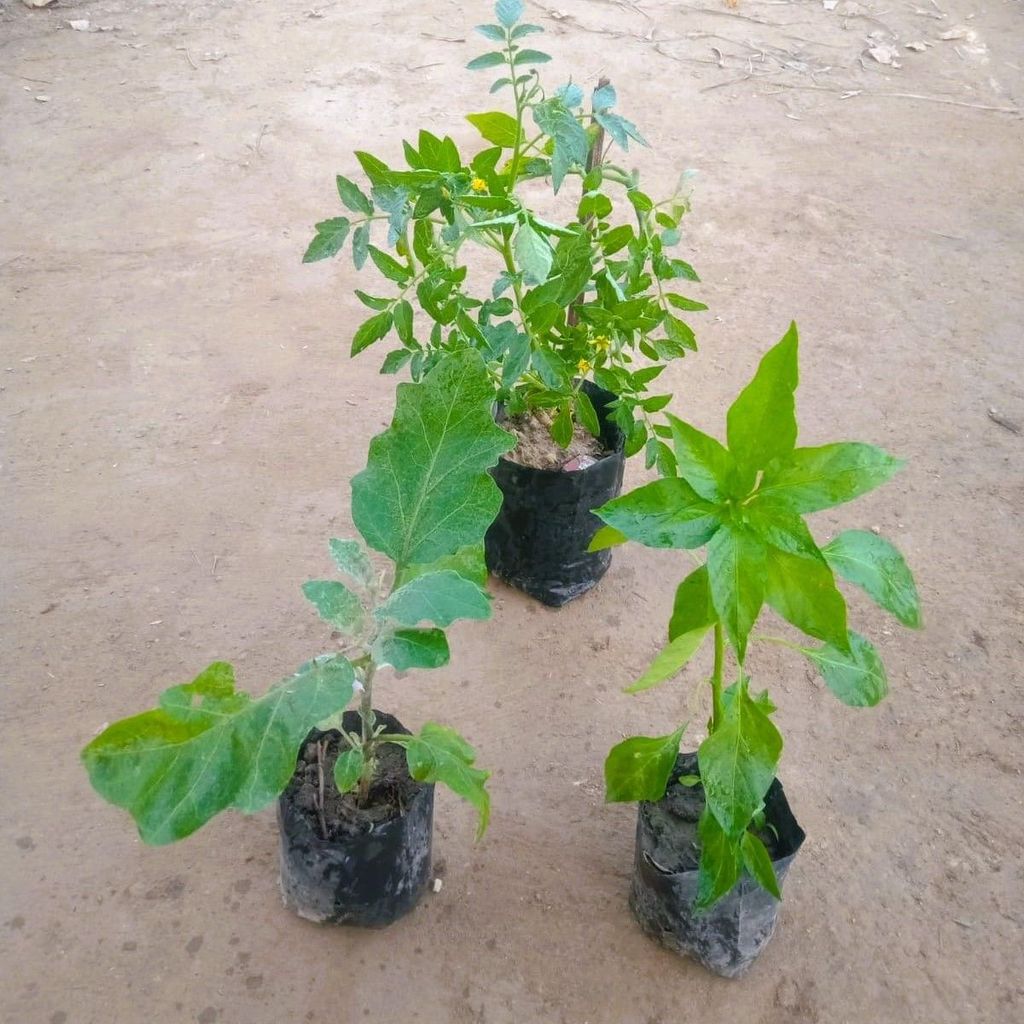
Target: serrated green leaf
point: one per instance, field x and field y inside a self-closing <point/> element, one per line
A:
<point x="335" y="604"/>
<point x="412" y="648"/>
<point x="638" y="768"/>
<point x="571" y="144"/>
<point x="440" y="754"/>
<point x="719" y="868"/>
<point x="353" y="196"/>
<point x="425" y="491"/>
<point x="663" y="514"/>
<point x="372" y="301"/>
<point x="370" y="331"/>
<point x="736" y="570"/>
<point x="803" y="591"/>
<point x="394" y="361"/>
<point x="857" y="676"/>
<point x="438" y="597"/>
<point x="587" y="414"/>
<point x="561" y="427"/>
<point x="693" y="608"/>
<point x="330" y="237"/>
<point x="347" y="769"/>
<point x="207" y="747"/>
<point x="680" y="302"/>
<point x="402" y="314"/>
<point x="389" y="266"/>
<point x="620" y="129"/>
<point x="761" y="423"/>
<point x="497" y="127"/>
<point x="738" y="762"/>
<point x="360" y="245"/>
<point x="876" y="566"/>
<point x="701" y="460"/>
<point x="670" y="660"/>
<point x="759" y="864"/>
<point x="486" y="60"/>
<point x="810" y="479"/>
<point x="532" y="254"/>
<point x="351" y="558"/>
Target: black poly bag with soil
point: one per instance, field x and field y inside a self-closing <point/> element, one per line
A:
<point x="375" y="863"/>
<point x="538" y="542"/>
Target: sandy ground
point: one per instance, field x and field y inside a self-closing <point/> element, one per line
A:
<point x="179" y="418"/>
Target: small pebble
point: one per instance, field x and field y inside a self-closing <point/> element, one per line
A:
<point x="438" y="885"/>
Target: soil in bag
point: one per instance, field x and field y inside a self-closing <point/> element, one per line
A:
<point x="349" y="864"/>
<point x="729" y="936"/>
<point x="538" y="542"/>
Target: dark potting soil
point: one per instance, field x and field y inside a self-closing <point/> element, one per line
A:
<point x="538" y="449"/>
<point x="391" y="791"/>
<point x="673" y="821"/>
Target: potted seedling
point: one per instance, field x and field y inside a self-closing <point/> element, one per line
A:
<point x="715" y="835"/>
<point x="576" y="296"/>
<point x="355" y="798"/>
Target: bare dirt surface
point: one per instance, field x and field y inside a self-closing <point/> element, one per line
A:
<point x="537" y="448"/>
<point x="179" y="415"/>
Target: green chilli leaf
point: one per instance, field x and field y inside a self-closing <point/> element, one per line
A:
<point x="426" y="491"/>
<point x="759" y="864"/>
<point x="335" y="603"/>
<point x="353" y="196"/>
<point x="701" y="460"/>
<point x="856" y="676"/>
<point x="440" y="754"/>
<point x="876" y="566"/>
<point x="347" y="769"/>
<point x="670" y="660"/>
<point x="638" y="768"/>
<point x="761" y="423"/>
<point x="412" y="648"/>
<point x="438" y="597"/>
<point x="329" y="238"/>
<point x="719" y="868"/>
<point x="738" y="761"/>
<point x="663" y="514"/>
<point x="803" y="591"/>
<point x="693" y="608"/>
<point x="208" y="747"/>
<point x="606" y="537"/>
<point x="811" y="479"/>
<point x="736" y="572"/>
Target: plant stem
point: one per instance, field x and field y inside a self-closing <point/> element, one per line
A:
<point x="716" y="678"/>
<point x="368" y="720"/>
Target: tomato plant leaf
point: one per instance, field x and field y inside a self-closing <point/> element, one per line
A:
<point x="329" y="238"/>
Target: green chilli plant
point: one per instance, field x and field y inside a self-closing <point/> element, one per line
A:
<point x="423" y="501"/>
<point x="745" y="504"/>
<point x="581" y="297"/>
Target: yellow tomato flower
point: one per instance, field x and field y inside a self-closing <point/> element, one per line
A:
<point x="602" y="343"/>
<point x="478" y="185"/>
<point x="584" y="366"/>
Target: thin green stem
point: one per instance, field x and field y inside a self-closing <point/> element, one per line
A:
<point x="717" y="711"/>
<point x="368" y="719"/>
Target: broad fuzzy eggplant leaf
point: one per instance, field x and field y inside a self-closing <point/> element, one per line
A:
<point x="873" y="564"/>
<point x="208" y="747"/>
<point x="761" y="423"/>
<point x="638" y="768"/>
<point x="440" y="754"/>
<point x="425" y="491"/>
<point x="335" y="603"/>
<point x="347" y="769"/>
<point x="412" y="648"/>
<point x="351" y="558"/>
<point x="438" y="597"/>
